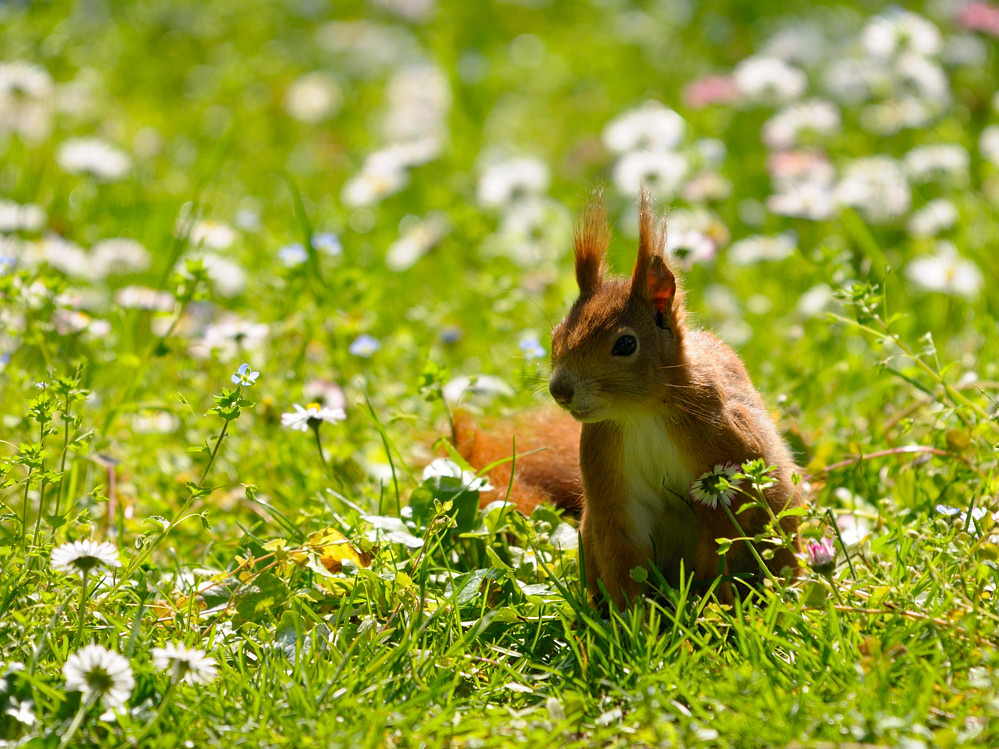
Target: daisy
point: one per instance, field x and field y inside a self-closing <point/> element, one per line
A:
<point x="716" y="486"/>
<point x="313" y="97"/>
<point x="651" y="127"/>
<point x="898" y="31"/>
<point x="662" y="173"/>
<point x="212" y="234"/>
<point x="185" y="664"/>
<point x="83" y="556"/>
<point x="946" y="271"/>
<point x="758" y="247"/>
<point x="98" y="672"/>
<point x="942" y="162"/>
<point x="812" y="118"/>
<point x="511" y="181"/>
<point x="768" y="80"/>
<point x="312" y="416"/>
<point x="24" y="79"/>
<point x="245" y="375"/>
<point x="417" y="238"/>
<point x="937" y="216"/>
<point x="821" y="555"/>
<point x="16" y="217"/>
<point x="485" y="386"/>
<point x="988" y="144"/>
<point x="119" y="256"/>
<point x="443" y="468"/>
<point x="142" y="297"/>
<point x="94" y="157"/>
<point x="877" y="187"/>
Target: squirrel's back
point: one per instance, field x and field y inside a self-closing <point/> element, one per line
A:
<point x="545" y="467"/>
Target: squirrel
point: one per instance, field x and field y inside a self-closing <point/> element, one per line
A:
<point x="654" y="405"/>
<point x="660" y="405"/>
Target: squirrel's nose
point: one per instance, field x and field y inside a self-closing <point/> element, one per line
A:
<point x="561" y="390"/>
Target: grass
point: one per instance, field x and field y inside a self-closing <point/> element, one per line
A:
<point x="347" y="600"/>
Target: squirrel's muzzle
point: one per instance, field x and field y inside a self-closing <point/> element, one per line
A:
<point x="561" y="388"/>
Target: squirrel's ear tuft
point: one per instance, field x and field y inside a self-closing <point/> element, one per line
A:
<point x="590" y="242"/>
<point x="652" y="279"/>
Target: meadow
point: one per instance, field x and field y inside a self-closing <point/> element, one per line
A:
<point x="253" y="254"/>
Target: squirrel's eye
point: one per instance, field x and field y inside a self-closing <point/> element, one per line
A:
<point x="626" y="345"/>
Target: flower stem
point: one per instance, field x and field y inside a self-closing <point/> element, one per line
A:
<point x="749" y="543"/>
<point x="24" y="509"/>
<point x="319" y="444"/>
<point x="75" y="725"/>
<point x="178" y="516"/>
<point x="82" y="610"/>
<point x="164" y="704"/>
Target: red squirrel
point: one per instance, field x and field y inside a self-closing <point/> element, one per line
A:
<point x="659" y="405"/>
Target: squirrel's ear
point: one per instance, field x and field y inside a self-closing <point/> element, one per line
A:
<point x="652" y="279"/>
<point x="590" y="242"/>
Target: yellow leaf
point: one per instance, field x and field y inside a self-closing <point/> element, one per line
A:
<point x="333" y="549"/>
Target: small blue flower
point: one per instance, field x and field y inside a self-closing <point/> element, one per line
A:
<point x="292" y="255"/>
<point x="327" y="242"/>
<point x="364" y="346"/>
<point x="531" y="347"/>
<point x="245" y="376"/>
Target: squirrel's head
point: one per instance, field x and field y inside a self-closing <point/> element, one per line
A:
<point x="622" y="339"/>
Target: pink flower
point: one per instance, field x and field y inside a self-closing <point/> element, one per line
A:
<point x="982" y="17"/>
<point x="822" y="555"/>
<point x="712" y="89"/>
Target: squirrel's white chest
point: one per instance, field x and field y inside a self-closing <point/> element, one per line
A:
<point x="657" y="477"/>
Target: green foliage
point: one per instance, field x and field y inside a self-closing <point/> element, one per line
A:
<point x="317" y="190"/>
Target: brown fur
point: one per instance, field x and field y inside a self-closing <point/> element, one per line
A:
<point x="653" y="421"/>
<point x="546" y="468"/>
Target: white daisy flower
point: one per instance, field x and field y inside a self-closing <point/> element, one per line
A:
<point x="947" y="272"/>
<point x="119" y="256"/>
<point x="312" y="416"/>
<point x="212" y="234"/>
<point x="652" y="127"/>
<point x="22" y="711"/>
<point x="813" y="199"/>
<point x="484" y="386"/>
<point x="142" y="297"/>
<point x="373" y="183"/>
<point x="940" y="162"/>
<point x="988" y="144"/>
<point x="17" y="217"/>
<point x="715" y="486"/>
<point x="83" y="556"/>
<point x="24" y="79"/>
<point x="758" y="247"/>
<point x="185" y="664"/>
<point x="94" y="157"/>
<point x="877" y="187"/>
<point x="769" y="80"/>
<point x="899" y="31"/>
<point x="812" y="118"/>
<point x="936" y="216"/>
<point x="446" y="468"/>
<point x="512" y="180"/>
<point x="99" y="672"/>
<point x="313" y="98"/>
<point x="417" y="238"/>
<point x="662" y="173"/>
